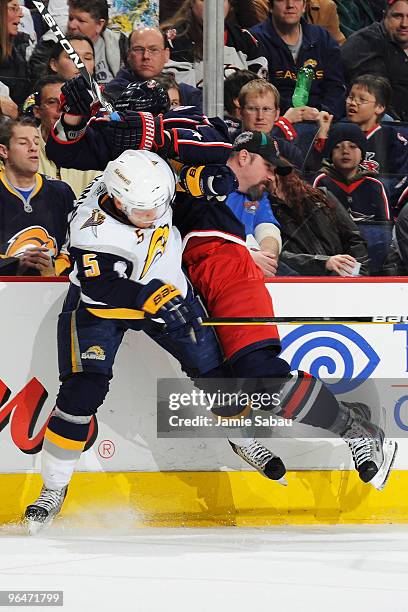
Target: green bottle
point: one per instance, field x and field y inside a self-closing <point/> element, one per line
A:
<point x="304" y="81"/>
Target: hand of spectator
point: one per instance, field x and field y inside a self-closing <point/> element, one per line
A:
<point x="309" y="113"/>
<point x="38" y="258"/>
<point x="294" y="115"/>
<point x="325" y="121"/>
<point x="343" y="265"/>
<point x="8" y="107"/>
<point x="266" y="261"/>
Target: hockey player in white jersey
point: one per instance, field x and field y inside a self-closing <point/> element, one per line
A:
<point x="127" y="275"/>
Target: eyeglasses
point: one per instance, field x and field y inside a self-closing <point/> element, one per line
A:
<point x="150" y="50"/>
<point x="266" y="110"/>
<point x="358" y="101"/>
<point x="14" y="8"/>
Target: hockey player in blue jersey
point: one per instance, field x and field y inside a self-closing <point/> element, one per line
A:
<point x="82" y="141"/>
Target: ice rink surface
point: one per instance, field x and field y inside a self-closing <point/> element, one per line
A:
<point x="299" y="569"/>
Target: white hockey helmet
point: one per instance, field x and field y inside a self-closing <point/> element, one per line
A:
<point x="143" y="183"/>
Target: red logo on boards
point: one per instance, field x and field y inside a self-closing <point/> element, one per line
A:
<point x="23" y="411"/>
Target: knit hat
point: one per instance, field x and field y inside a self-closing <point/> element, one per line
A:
<point x="346" y="131"/>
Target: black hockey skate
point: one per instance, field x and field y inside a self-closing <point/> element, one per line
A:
<point x="42" y="512"/>
<point x="373" y="454"/>
<point x="262" y="459"/>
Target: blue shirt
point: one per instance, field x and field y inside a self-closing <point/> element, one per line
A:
<point x="249" y="213"/>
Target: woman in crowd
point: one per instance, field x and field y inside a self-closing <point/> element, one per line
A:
<point x="15" y="48"/>
<point x="318" y="235"/>
<point x="60" y="63"/>
<point x="185" y="35"/>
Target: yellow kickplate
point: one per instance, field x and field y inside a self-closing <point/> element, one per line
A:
<point x="190" y="499"/>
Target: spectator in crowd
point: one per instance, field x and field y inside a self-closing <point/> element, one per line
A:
<point x="47" y="111"/>
<point x="15" y="48"/>
<point x="318" y="235"/>
<point x="259" y="103"/>
<point x="396" y="262"/>
<point x="34" y="209"/>
<point x="355" y="15"/>
<point x="89" y="18"/>
<point x="60" y="62"/>
<point x="289" y="42"/>
<point x="381" y="49"/>
<point x="185" y="34"/>
<point x="169" y="83"/>
<point x="147" y="55"/>
<point x="318" y="12"/>
<point x="245" y="11"/>
<point x="27" y="25"/>
<point x="232" y="86"/>
<point x="387" y="145"/>
<point x="354" y="186"/>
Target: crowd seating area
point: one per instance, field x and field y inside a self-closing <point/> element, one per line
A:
<point x="327" y="78"/>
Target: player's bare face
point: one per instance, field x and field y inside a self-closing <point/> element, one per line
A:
<point x="260" y="174"/>
<point x="23" y="153"/>
<point x="144" y="219"/>
<point x="396" y="23"/>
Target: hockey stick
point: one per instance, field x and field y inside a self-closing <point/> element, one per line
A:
<point x="72" y="54"/>
<point x="382" y="320"/>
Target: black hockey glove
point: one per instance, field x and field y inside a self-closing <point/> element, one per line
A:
<point x="160" y="300"/>
<point x="136" y="130"/>
<point x="76" y="98"/>
<point x="210" y="180"/>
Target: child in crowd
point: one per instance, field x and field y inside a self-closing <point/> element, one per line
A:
<point x="387" y="143"/>
<point x="345" y="177"/>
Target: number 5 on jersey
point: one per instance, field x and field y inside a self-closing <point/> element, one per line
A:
<point x="91" y="265"/>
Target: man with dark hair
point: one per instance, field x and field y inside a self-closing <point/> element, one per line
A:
<point x="47" y="111"/>
<point x="290" y="42"/>
<point x="148" y="53"/>
<point x="381" y="49"/>
<point x="34" y="209"/>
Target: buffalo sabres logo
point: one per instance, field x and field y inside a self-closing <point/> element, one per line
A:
<point x="97" y="218"/>
<point x="156" y="248"/>
<point x="34" y="236"/>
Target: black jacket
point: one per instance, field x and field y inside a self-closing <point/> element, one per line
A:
<point x="14" y="71"/>
<point x="371" y="51"/>
<point x="328" y="90"/>
<point x="308" y="244"/>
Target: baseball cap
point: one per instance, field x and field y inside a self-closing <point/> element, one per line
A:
<point x="265" y="145"/>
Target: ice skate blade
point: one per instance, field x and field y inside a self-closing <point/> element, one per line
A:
<point x="282" y="481"/>
<point x="380" y="479"/>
